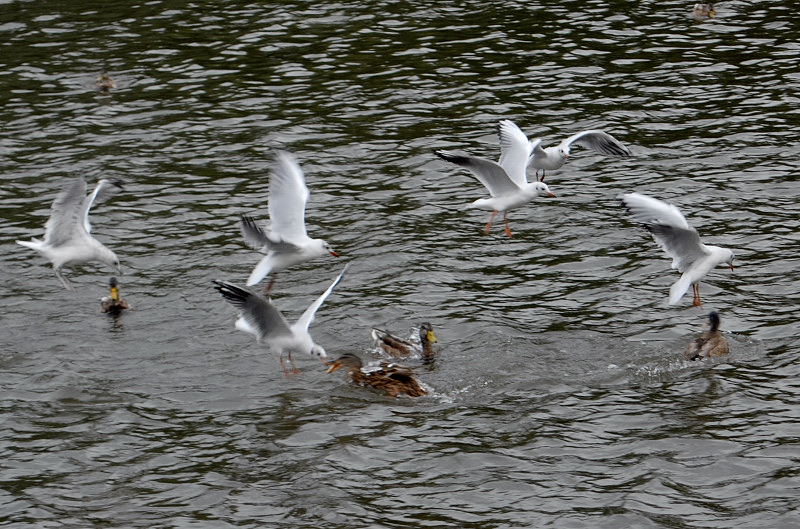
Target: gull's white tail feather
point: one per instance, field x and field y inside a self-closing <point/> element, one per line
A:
<point x="262" y="269"/>
<point x="679" y="288"/>
<point x="34" y="244"/>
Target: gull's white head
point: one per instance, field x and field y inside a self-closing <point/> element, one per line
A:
<point x="322" y="247"/>
<point x="317" y="350"/>
<point x="564" y="152"/>
<point x="106" y="256"/>
<point x="542" y="189"/>
<point x="729" y="260"/>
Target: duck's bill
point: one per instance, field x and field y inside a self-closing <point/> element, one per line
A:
<point x="432" y="337"/>
<point x="333" y="366"/>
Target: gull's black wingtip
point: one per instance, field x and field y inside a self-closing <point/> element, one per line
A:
<point x="117" y="182"/>
<point x="232" y="293"/>
<point x="452" y="158"/>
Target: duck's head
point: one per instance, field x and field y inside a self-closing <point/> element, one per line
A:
<point x="426" y="333"/>
<point x="113" y="288"/>
<point x="704" y="10"/>
<point x="347" y="360"/>
<point x="713" y="321"/>
<point x="105" y="82"/>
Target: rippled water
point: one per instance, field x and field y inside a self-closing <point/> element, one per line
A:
<point x="560" y="399"/>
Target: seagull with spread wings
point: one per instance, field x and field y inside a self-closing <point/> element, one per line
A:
<point x="261" y="318"/>
<point x="549" y="158"/>
<point x="68" y="236"/>
<point x="505" y="180"/>
<point x="286" y="243"/>
<point x="679" y="240"/>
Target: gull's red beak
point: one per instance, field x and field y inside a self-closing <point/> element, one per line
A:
<point x="551" y="194"/>
<point x="334" y="253"/>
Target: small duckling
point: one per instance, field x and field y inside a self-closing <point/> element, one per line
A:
<point x="105" y="83"/>
<point x="400" y="348"/>
<point x="709" y="344"/>
<point x="113" y="304"/>
<point x="703" y="11"/>
<point x="392" y="379"/>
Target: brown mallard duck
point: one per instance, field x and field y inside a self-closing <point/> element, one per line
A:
<point x="390" y="378"/>
<point x="401" y="348"/>
<point x="105" y="83"/>
<point x="703" y="11"/>
<point x="709" y="344"/>
<point x="113" y="303"/>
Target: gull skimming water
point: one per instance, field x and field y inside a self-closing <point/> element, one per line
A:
<point x="672" y="232"/>
<point x="67" y="237"/>
<point x="287" y="243"/>
<point x="261" y="318"/>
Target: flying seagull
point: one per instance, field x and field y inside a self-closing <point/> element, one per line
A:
<point x="286" y="243"/>
<point x="67" y="237"/>
<point x="672" y="232"/>
<point x="261" y="318"/>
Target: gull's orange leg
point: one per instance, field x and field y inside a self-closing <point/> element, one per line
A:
<point x="286" y="371"/>
<point x="268" y="288"/>
<point x="488" y="228"/>
<point x="294" y="371"/>
<point x="283" y="365"/>
<point x="508" y="227"/>
<point x="696" y="288"/>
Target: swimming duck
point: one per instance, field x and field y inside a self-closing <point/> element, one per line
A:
<point x="390" y="378"/>
<point x="704" y="11"/>
<point x="105" y="83"/>
<point x="398" y="347"/>
<point x="709" y="344"/>
<point x="113" y="304"/>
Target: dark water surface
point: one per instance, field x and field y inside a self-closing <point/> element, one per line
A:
<point x="559" y="400"/>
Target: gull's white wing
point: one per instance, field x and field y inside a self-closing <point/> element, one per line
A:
<point x="489" y="173"/>
<point x="304" y="321"/>
<point x="253" y="234"/>
<point x="598" y="141"/>
<point x="649" y="210"/>
<point x="669" y="227"/>
<point x="258" y="315"/>
<point x="104" y="188"/>
<point x="515" y="151"/>
<point x="256" y="237"/>
<point x="287" y="199"/>
<point x="65" y="213"/>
